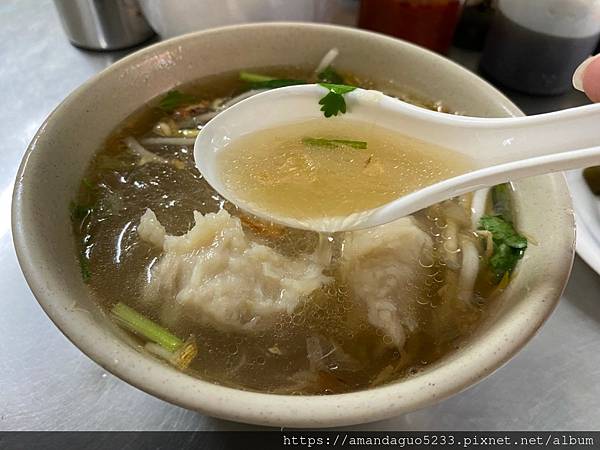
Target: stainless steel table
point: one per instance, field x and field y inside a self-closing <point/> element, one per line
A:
<point x="47" y="384"/>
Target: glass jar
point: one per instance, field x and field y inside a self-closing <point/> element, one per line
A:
<point x="534" y="46"/>
<point x="429" y="23"/>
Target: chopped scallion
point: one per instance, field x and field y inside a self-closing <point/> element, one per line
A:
<point x="333" y="143"/>
<point x="250" y="77"/>
<point x="258" y="81"/>
<point x="173" y="99"/>
<point x="130" y="319"/>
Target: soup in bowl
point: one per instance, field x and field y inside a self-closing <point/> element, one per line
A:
<point x="162" y="281"/>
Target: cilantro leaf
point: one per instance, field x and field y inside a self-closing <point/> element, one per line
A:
<point x="503" y="230"/>
<point x="79" y="214"/>
<point x="509" y="245"/>
<point x="333" y="103"/>
<point x="340" y="89"/>
<point x="333" y="143"/>
<point x="503" y="260"/>
<point x="329" y="75"/>
<point x="174" y="99"/>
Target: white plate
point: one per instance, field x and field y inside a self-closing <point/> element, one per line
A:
<point x="587" y="217"/>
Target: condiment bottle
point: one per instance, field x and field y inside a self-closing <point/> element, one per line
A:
<point x="429" y="23"/>
<point x="474" y="24"/>
<point x="534" y="46"/>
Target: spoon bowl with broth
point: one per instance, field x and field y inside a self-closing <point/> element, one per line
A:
<point x="326" y="170"/>
<point x="381" y="161"/>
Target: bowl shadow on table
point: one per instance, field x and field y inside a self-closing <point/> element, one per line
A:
<point x="399" y="423"/>
<point x="405" y="422"/>
<point x="584" y="280"/>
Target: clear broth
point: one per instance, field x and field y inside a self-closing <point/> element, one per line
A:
<point x="118" y="191"/>
<point x="278" y="173"/>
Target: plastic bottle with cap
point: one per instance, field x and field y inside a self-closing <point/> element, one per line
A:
<point x="535" y="45"/>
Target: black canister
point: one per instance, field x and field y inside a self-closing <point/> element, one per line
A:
<point x="534" y="46"/>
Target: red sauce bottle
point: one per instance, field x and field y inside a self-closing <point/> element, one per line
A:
<point x="429" y="23"/>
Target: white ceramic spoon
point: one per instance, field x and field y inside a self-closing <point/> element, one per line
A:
<point x="502" y="149"/>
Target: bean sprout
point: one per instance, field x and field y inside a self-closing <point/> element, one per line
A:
<point x="450" y="245"/>
<point x="478" y="206"/>
<point x="241" y="97"/>
<point x="327" y="60"/>
<point x="469" y="269"/>
<point x="144" y="155"/>
<point x="168" y="141"/>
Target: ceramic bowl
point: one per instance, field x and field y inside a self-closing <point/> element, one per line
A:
<point x="58" y="155"/>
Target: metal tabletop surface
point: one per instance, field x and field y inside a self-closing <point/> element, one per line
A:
<point x="46" y="383"/>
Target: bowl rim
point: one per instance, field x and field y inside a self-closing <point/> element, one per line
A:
<point x="254" y="407"/>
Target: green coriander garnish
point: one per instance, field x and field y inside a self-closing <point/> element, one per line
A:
<point x="333" y="103"/>
<point x="509" y="245"/>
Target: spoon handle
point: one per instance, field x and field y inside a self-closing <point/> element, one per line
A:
<point x="528" y="137"/>
<point x="478" y="179"/>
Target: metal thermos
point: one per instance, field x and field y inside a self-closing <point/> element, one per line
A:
<point x="103" y="24"/>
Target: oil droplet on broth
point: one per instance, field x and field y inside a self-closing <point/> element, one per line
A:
<point x="276" y="172"/>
